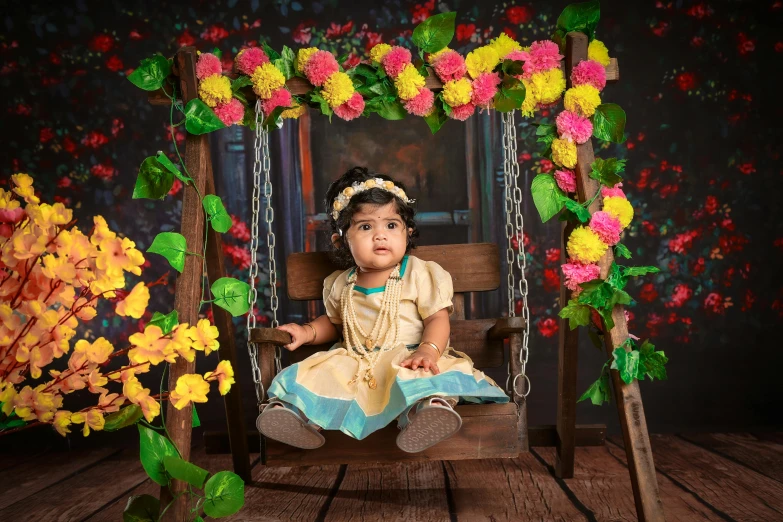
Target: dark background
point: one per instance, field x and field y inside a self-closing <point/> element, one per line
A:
<point x="699" y="82"/>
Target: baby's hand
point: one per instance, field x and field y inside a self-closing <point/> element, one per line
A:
<point x="299" y="335"/>
<point x="422" y="358"/>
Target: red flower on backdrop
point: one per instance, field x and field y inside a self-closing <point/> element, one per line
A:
<point x="680" y="295"/>
<point x="649" y="228"/>
<point x="68" y="145"/>
<point x="551" y="279"/>
<point x="103" y="171"/>
<point x="519" y="14"/>
<point x="114" y="64"/>
<point x="135" y="35"/>
<point x="552" y="255"/>
<point x="422" y="11"/>
<point x="745" y="45"/>
<point x="95" y="139"/>
<point x="240" y="257"/>
<point x="45" y="135"/>
<point x="699" y="11"/>
<point x="116" y="126"/>
<point x="510" y="33"/>
<point x="711" y="205"/>
<point x="239" y="229"/>
<point x="714" y="303"/>
<point x="546" y="165"/>
<point x="697" y="41"/>
<point x="648" y="293"/>
<point x="681" y="243"/>
<point x="685" y="81"/>
<point x="779" y="47"/>
<point x="352" y="61"/>
<point x="465" y="31"/>
<point x="214" y="33"/>
<point x="336" y="30"/>
<point x="548" y="327"/>
<point x="102" y="43"/>
<point x="515" y="241"/>
<point x="750" y="298"/>
<point x="661" y="28"/>
<point x="64" y="182"/>
<point x="186" y="39"/>
<point x="698" y="267"/>
<point x="175" y="187"/>
<point x="746" y="168"/>
<point x="303" y="33"/>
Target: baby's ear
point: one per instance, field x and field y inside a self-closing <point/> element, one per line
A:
<point x="336" y="240"/>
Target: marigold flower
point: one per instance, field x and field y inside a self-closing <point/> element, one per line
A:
<point x="566" y="180"/>
<point x="266" y="80"/>
<point x="564" y="153"/>
<point x="576" y="273"/>
<point x="337" y="89"/>
<point x="585" y="246"/>
<point x="548" y="85"/>
<point x="294" y="112"/>
<point x="462" y="112"/>
<point x="421" y="104"/>
<point x="481" y="60"/>
<point x="395" y="60"/>
<point x="207" y="65"/>
<point x="378" y="51"/>
<point x="457" y="92"/>
<point x="450" y="66"/>
<point x="408" y="82"/>
<point x="215" y="89"/>
<point x="582" y="99"/>
<point x="437" y="55"/>
<point x="190" y="387"/>
<point x="320" y="66"/>
<point x="230" y="113"/>
<point x="574" y="127"/>
<point x="248" y="59"/>
<point x="224" y="374"/>
<point x="597" y="51"/>
<point x="302" y="57"/>
<point x="485" y="87"/>
<point x="607" y="227"/>
<point x="504" y="44"/>
<point x="589" y="72"/>
<point x="620" y="208"/>
<point x="351" y="109"/>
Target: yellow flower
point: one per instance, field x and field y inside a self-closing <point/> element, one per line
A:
<point x="480" y="60"/>
<point x="24" y="187"/>
<point x="294" y="112"/>
<point x="150" y="407"/>
<point x="96" y="352"/>
<point x="101" y="231"/>
<point x="585" y="246"/>
<point x="531" y="101"/>
<point x="337" y="89"/>
<point x="597" y="51"/>
<point x="137" y="394"/>
<point x="7" y="398"/>
<point x="149" y="346"/>
<point x="62" y="419"/>
<point x="432" y="57"/>
<point x="55" y="267"/>
<point x="46" y="216"/>
<point x="95" y="382"/>
<point x="117" y="255"/>
<point x="191" y="387"/>
<point x="302" y="56"/>
<point x="215" y="89"/>
<point x="379" y="51"/>
<point x="91" y="418"/>
<point x="204" y="336"/>
<point x="504" y="44"/>
<point x="26" y="245"/>
<point x="131" y="389"/>
<point x="548" y="85"/>
<point x="457" y="92"/>
<point x="8" y="201"/>
<point x="564" y="153"/>
<point x="182" y="343"/>
<point x="266" y="79"/>
<point x="224" y="374"/>
<point x="408" y="82"/>
<point x="620" y="208"/>
<point x="135" y="303"/>
<point x="582" y="99"/>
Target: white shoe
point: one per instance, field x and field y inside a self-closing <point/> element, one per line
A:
<point x="434" y="421"/>
<point x="279" y="423"/>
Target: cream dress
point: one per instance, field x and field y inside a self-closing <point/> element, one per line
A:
<point x="319" y="386"/>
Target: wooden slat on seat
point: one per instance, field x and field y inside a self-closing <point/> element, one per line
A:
<point x="474" y="267"/>
<point x="488" y="431"/>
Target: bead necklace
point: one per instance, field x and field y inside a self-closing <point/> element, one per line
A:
<point x="387" y="322"/>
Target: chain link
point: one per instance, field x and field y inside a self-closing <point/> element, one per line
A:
<point x="515" y="229"/>
<point x="252" y="348"/>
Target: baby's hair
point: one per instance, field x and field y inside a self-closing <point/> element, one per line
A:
<point x="340" y="253"/>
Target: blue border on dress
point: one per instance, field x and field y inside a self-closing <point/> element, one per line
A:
<point x="376" y="289"/>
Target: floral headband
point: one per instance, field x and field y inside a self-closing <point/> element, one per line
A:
<point x="342" y="199"/>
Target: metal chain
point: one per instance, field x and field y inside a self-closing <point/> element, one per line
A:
<point x="515" y="228"/>
<point x="252" y="348"/>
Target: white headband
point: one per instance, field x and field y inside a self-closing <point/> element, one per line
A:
<point x="342" y="199"/>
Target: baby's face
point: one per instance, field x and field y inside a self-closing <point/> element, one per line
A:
<point x="377" y="237"/>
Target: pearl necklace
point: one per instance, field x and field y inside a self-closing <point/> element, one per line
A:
<point x="388" y="319"/>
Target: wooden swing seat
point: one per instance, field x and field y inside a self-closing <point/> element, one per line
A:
<point x="488" y="430"/>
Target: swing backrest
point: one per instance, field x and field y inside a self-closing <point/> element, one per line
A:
<point x="474" y="267"/>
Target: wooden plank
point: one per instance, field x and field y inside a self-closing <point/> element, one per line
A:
<point x="731" y="489"/>
<point x="458" y="312"/>
<point x="41" y="472"/>
<point x="82" y="494"/>
<point x="584" y="435"/>
<point x="488" y="431"/>
<point x="474" y="267"/>
<point x="410" y="491"/>
<point x="508" y="489"/>
<point x="11" y="458"/>
<point x="518" y="385"/>
<point x="745" y="449"/>
<point x="628" y="397"/>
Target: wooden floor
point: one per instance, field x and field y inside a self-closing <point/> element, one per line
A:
<point x="701" y="477"/>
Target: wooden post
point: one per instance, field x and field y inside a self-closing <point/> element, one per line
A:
<point x="628" y="397"/>
<point x="515" y="348"/>
<point x="188" y="290"/>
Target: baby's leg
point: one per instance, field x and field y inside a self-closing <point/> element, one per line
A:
<point x="433" y="420"/>
<point x="285" y="423"/>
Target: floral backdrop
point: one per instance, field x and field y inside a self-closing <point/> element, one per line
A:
<point x="698" y="82"/>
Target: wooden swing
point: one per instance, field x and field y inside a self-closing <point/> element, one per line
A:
<point x="488" y="431"/>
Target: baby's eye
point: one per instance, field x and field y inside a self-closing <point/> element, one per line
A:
<point x="392" y="225"/>
<point x="364" y="227"/>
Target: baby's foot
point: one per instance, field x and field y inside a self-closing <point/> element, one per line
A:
<point x="434" y="420"/>
<point x="279" y="423"/>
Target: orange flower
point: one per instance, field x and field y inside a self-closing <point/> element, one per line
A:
<point x="190" y="387"/>
<point x="149" y="346"/>
<point x="204" y="336"/>
<point x="135" y="303"/>
<point x="224" y="374"/>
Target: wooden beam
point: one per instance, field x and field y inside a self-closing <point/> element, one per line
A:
<point x="628" y="397"/>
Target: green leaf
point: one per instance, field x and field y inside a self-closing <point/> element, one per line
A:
<point x="167" y="322"/>
<point x="596" y="293"/>
<point x="635" y="271"/>
<point x="582" y="17"/>
<point x="621" y="250"/>
<point x="153" y="447"/>
<point x="224" y="494"/>
<point x="596" y="338"/>
<point x="619" y="297"/>
<point x="392" y="110"/>
<point x="11" y="422"/>
<point x="609" y="123"/>
<point x="286" y="63"/>
<point x="195" y="421"/>
<point x="172" y="246"/>
<point x="545" y="129"/>
<point x="141" y="508"/>
<point x="598" y="392"/>
<point x="154" y="180"/>
<point x="169" y="165"/>
<point x="512" y="67"/>
<point x="217" y="52"/>
<point x="607" y="171"/>
<point x="185" y="471"/>
<point x="151" y="73"/>
<point x="627" y="363"/>
<point x="231" y="294"/>
<point x="652" y="362"/>
<point x="216" y="213"/>
<point x="547" y="196"/>
<point x="241" y="82"/>
<point x="436" y="119"/>
<point x="200" y="119"/>
<point x="435" y="33"/>
<point x="271" y="53"/>
<point x="616" y="278"/>
<point x="581" y="213"/>
<point x="273" y="120"/>
<point x="365" y="73"/>
<point x="503" y="103"/>
<point x="577" y="314"/>
<point x="127" y="416"/>
<point x="321" y="103"/>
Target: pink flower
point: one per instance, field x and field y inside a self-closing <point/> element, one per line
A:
<point x="615" y="191"/>
<point x="566" y="180"/>
<point x="320" y="66"/>
<point x="207" y="65"/>
<point x="302" y="34"/>
<point x="351" y="109"/>
<point x="280" y="98"/>
<point x="421" y="104"/>
<point x="230" y="113"/>
<point x="680" y="295"/>
<point x="462" y="112"/>
<point x="589" y="72"/>
<point x="251" y="58"/>
<point x="450" y="66"/>
<point x="395" y="61"/>
<point x="544" y="55"/>
<point x="517" y="55"/>
<point x="576" y="273"/>
<point x="484" y="88"/>
<point x="606" y="226"/>
<point x="574" y="127"/>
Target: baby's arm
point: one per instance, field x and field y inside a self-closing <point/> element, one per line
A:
<point x="436" y="331"/>
<point x="322" y="331"/>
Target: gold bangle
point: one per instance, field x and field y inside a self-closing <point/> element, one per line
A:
<point x="315" y="334"/>
<point x="433" y="345"/>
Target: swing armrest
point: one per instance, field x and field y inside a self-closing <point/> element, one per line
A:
<point x="505" y="327"/>
<point x="269" y="335"/>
